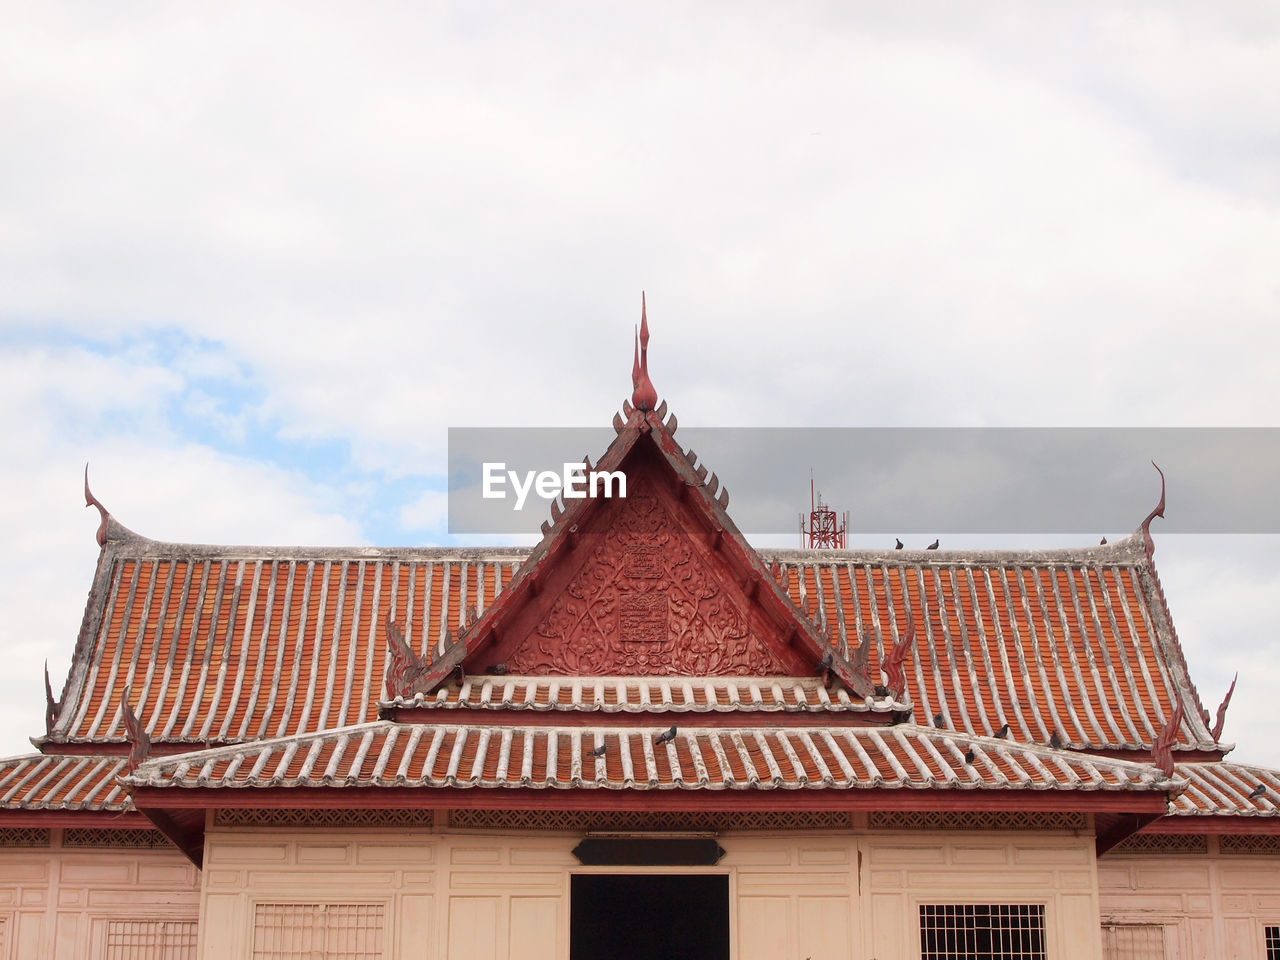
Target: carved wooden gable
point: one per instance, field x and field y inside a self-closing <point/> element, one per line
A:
<point x="644" y="592"/>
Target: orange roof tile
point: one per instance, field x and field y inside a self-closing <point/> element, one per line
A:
<point x="225" y="644"/>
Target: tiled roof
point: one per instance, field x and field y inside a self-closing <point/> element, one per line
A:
<point x="643" y="695"/>
<point x="226" y="644"/>
<point x="385" y="754"/>
<point x="1073" y="641"/>
<point x="39" y="782"/>
<point x="1222" y="788"/>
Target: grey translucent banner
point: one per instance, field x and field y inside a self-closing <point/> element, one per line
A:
<point x="917" y="481"/>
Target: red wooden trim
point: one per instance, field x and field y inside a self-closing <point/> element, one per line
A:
<point x="1219" y="824"/>
<point x="73" y="818"/>
<point x="521" y="798"/>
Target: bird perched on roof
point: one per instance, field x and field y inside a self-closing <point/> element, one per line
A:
<point x="498" y="669"/>
<point x="667" y="735"/>
<point x="1259" y="792"/>
<point x="598" y="751"/>
<point x="968" y="756"/>
<point x="939" y="720"/>
<point x="932" y="546"/>
<point x="1055" y="741"/>
<point x="897" y="543"/>
<point x="1102" y="542"/>
<point x="1002" y="732"/>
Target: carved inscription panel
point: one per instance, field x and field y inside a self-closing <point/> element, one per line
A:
<point x="644" y="603"/>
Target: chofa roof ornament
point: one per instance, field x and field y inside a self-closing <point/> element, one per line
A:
<point x="52" y="707"/>
<point x="643" y="396"/>
<point x="91" y="501"/>
<point x="1157" y="512"/>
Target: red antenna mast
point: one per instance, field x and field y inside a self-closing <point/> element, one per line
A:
<point x="825" y="529"/>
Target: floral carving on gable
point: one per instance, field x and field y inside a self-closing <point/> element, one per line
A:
<point x="644" y="604"/>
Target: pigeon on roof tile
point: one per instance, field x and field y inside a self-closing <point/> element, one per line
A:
<point x="1259" y="792"/>
<point x="598" y="751"/>
<point x="939" y="720"/>
<point x="932" y="546"/>
<point x="1055" y="741"/>
<point x="897" y="543"/>
<point x="667" y="735"/>
<point x="1002" y="732"/>
<point x="968" y="756"/>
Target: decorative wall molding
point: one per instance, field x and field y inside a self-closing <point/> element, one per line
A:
<point x="25" y="837"/>
<point x="1145" y="844"/>
<point x="580" y="821"/>
<point x="346" y="819"/>
<point x="975" y="820"/>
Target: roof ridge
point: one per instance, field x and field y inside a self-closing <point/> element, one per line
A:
<point x="1127" y="549"/>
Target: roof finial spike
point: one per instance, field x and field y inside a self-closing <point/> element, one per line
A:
<point x="644" y="324"/>
<point x="895" y="679"/>
<point x="91" y="501"/>
<point x="1157" y="512"/>
<point x="1216" y="733"/>
<point x="643" y="397"/>
<point x="52" y="706"/>
<point x="1162" y="748"/>
<point x="139" y="742"/>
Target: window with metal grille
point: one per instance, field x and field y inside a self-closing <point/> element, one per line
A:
<point x="982" y="931"/>
<point x="318" y="931"/>
<point x="1272" y="935"/>
<point x="1133" y="941"/>
<point x="151" y="940"/>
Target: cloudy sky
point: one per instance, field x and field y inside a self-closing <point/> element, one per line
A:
<point x="255" y="259"/>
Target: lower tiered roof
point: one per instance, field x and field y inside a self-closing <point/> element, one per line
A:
<point x="386" y="754"/>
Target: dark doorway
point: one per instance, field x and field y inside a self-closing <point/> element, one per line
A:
<point x="649" y="917"/>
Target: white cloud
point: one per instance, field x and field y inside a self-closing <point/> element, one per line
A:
<point x="429" y="513"/>
<point x="67" y="406"/>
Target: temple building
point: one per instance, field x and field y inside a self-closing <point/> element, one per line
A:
<point x="642" y="738"/>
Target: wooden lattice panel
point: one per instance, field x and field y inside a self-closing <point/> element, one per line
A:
<point x="135" y="839"/>
<point x="24" y="837"/>
<point x="345" y="819"/>
<point x="1249" y="843"/>
<point x="151" y="939"/>
<point x="318" y="931"/>
<point x="975" y="820"/>
<point x="1162" y="843"/>
<point x="583" y="820"/>
<point x="1133" y="941"/>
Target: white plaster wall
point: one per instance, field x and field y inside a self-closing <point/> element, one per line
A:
<point x="54" y="903"/>
<point x="1214" y="906"/>
<point x="476" y="896"/>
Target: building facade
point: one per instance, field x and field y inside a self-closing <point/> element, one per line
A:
<point x="641" y="738"/>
